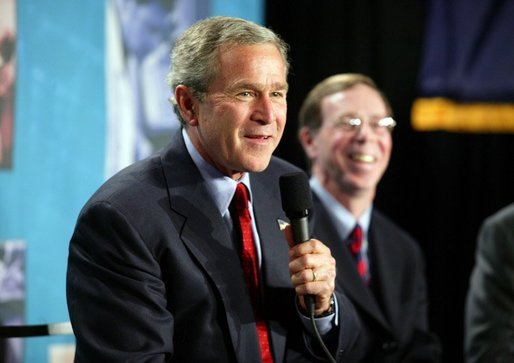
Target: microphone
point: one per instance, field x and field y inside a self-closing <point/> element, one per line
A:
<point x="296" y="197"/>
<point x="296" y="202"/>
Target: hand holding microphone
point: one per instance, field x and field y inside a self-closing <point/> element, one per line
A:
<point x="311" y="265"/>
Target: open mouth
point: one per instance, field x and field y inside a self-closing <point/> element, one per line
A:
<point x="259" y="137"/>
<point x="363" y="158"/>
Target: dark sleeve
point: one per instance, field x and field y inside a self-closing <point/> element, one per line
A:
<point x="425" y="345"/>
<point x="341" y="341"/>
<point x="348" y="331"/>
<point x="489" y="323"/>
<point x="115" y="293"/>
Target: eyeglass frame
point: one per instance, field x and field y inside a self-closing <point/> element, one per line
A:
<point x="353" y="123"/>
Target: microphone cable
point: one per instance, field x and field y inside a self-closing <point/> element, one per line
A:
<point x="311" y="307"/>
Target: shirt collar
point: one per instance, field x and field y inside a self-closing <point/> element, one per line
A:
<point x="221" y="187"/>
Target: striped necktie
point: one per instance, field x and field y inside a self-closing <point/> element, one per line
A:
<point x="355" y="246"/>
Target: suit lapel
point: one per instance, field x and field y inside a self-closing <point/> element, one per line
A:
<point x="206" y="236"/>
<point x="267" y="210"/>
<point x="351" y="284"/>
<point x="275" y="271"/>
<point x="387" y="269"/>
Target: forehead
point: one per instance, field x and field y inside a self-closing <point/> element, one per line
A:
<point x="360" y="99"/>
<point x="251" y="60"/>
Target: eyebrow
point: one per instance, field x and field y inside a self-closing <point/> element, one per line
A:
<point x="259" y="86"/>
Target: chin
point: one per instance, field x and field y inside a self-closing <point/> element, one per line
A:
<point x="256" y="163"/>
<point x="257" y="167"/>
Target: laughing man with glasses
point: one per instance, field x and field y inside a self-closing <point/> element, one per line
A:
<point x="345" y="129"/>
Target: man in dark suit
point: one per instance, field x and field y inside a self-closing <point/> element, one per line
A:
<point x="345" y="130"/>
<point x="154" y="270"/>
<point x="489" y="323"/>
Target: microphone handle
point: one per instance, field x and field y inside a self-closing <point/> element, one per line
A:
<point x="300" y="229"/>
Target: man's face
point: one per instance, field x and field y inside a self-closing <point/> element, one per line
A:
<point x="353" y="160"/>
<point x="241" y="120"/>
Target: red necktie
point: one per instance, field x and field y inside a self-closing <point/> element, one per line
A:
<point x="355" y="246"/>
<point x="243" y="223"/>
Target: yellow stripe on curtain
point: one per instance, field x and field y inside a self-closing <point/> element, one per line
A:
<point x="440" y="114"/>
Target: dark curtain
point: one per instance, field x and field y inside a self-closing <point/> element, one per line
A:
<point x="439" y="186"/>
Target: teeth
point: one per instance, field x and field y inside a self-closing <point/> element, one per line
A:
<point x="365" y="158"/>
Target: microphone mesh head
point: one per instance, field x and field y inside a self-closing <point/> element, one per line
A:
<point x="295" y="192"/>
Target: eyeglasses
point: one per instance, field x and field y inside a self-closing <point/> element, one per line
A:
<point x="379" y="126"/>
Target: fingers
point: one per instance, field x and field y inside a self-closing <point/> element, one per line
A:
<point x="312" y="246"/>
<point x="313" y="281"/>
<point x="313" y="269"/>
<point x="311" y="255"/>
<point x="320" y="286"/>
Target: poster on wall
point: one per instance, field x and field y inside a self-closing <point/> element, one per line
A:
<point x="12" y="296"/>
<point x="139" y="37"/>
<point x="7" y="80"/>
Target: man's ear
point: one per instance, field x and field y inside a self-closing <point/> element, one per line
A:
<point x="186" y="104"/>
<point x="307" y="137"/>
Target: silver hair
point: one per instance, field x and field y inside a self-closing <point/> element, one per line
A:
<point x="195" y="55"/>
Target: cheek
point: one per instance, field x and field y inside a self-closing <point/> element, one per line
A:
<point x="330" y="152"/>
<point x="386" y="148"/>
<point x="281" y="120"/>
<point x="337" y="143"/>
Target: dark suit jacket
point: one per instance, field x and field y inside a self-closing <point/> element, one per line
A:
<point x="153" y="275"/>
<point x="393" y="309"/>
<point x="489" y="331"/>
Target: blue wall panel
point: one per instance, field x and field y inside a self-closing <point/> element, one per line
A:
<point x="59" y="142"/>
<point x="59" y="146"/>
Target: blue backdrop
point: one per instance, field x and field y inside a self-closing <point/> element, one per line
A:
<point x="59" y="142"/>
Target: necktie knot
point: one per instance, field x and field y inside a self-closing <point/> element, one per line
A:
<point x="355" y="240"/>
<point x="355" y="246"/>
<point x="241" y="200"/>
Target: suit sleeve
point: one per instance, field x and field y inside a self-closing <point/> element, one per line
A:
<point x="116" y="297"/>
<point x="425" y="345"/>
<point x="489" y="324"/>
<point x="348" y="331"/>
<point x="341" y="340"/>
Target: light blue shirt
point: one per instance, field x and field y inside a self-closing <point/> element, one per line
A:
<point x="342" y="219"/>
